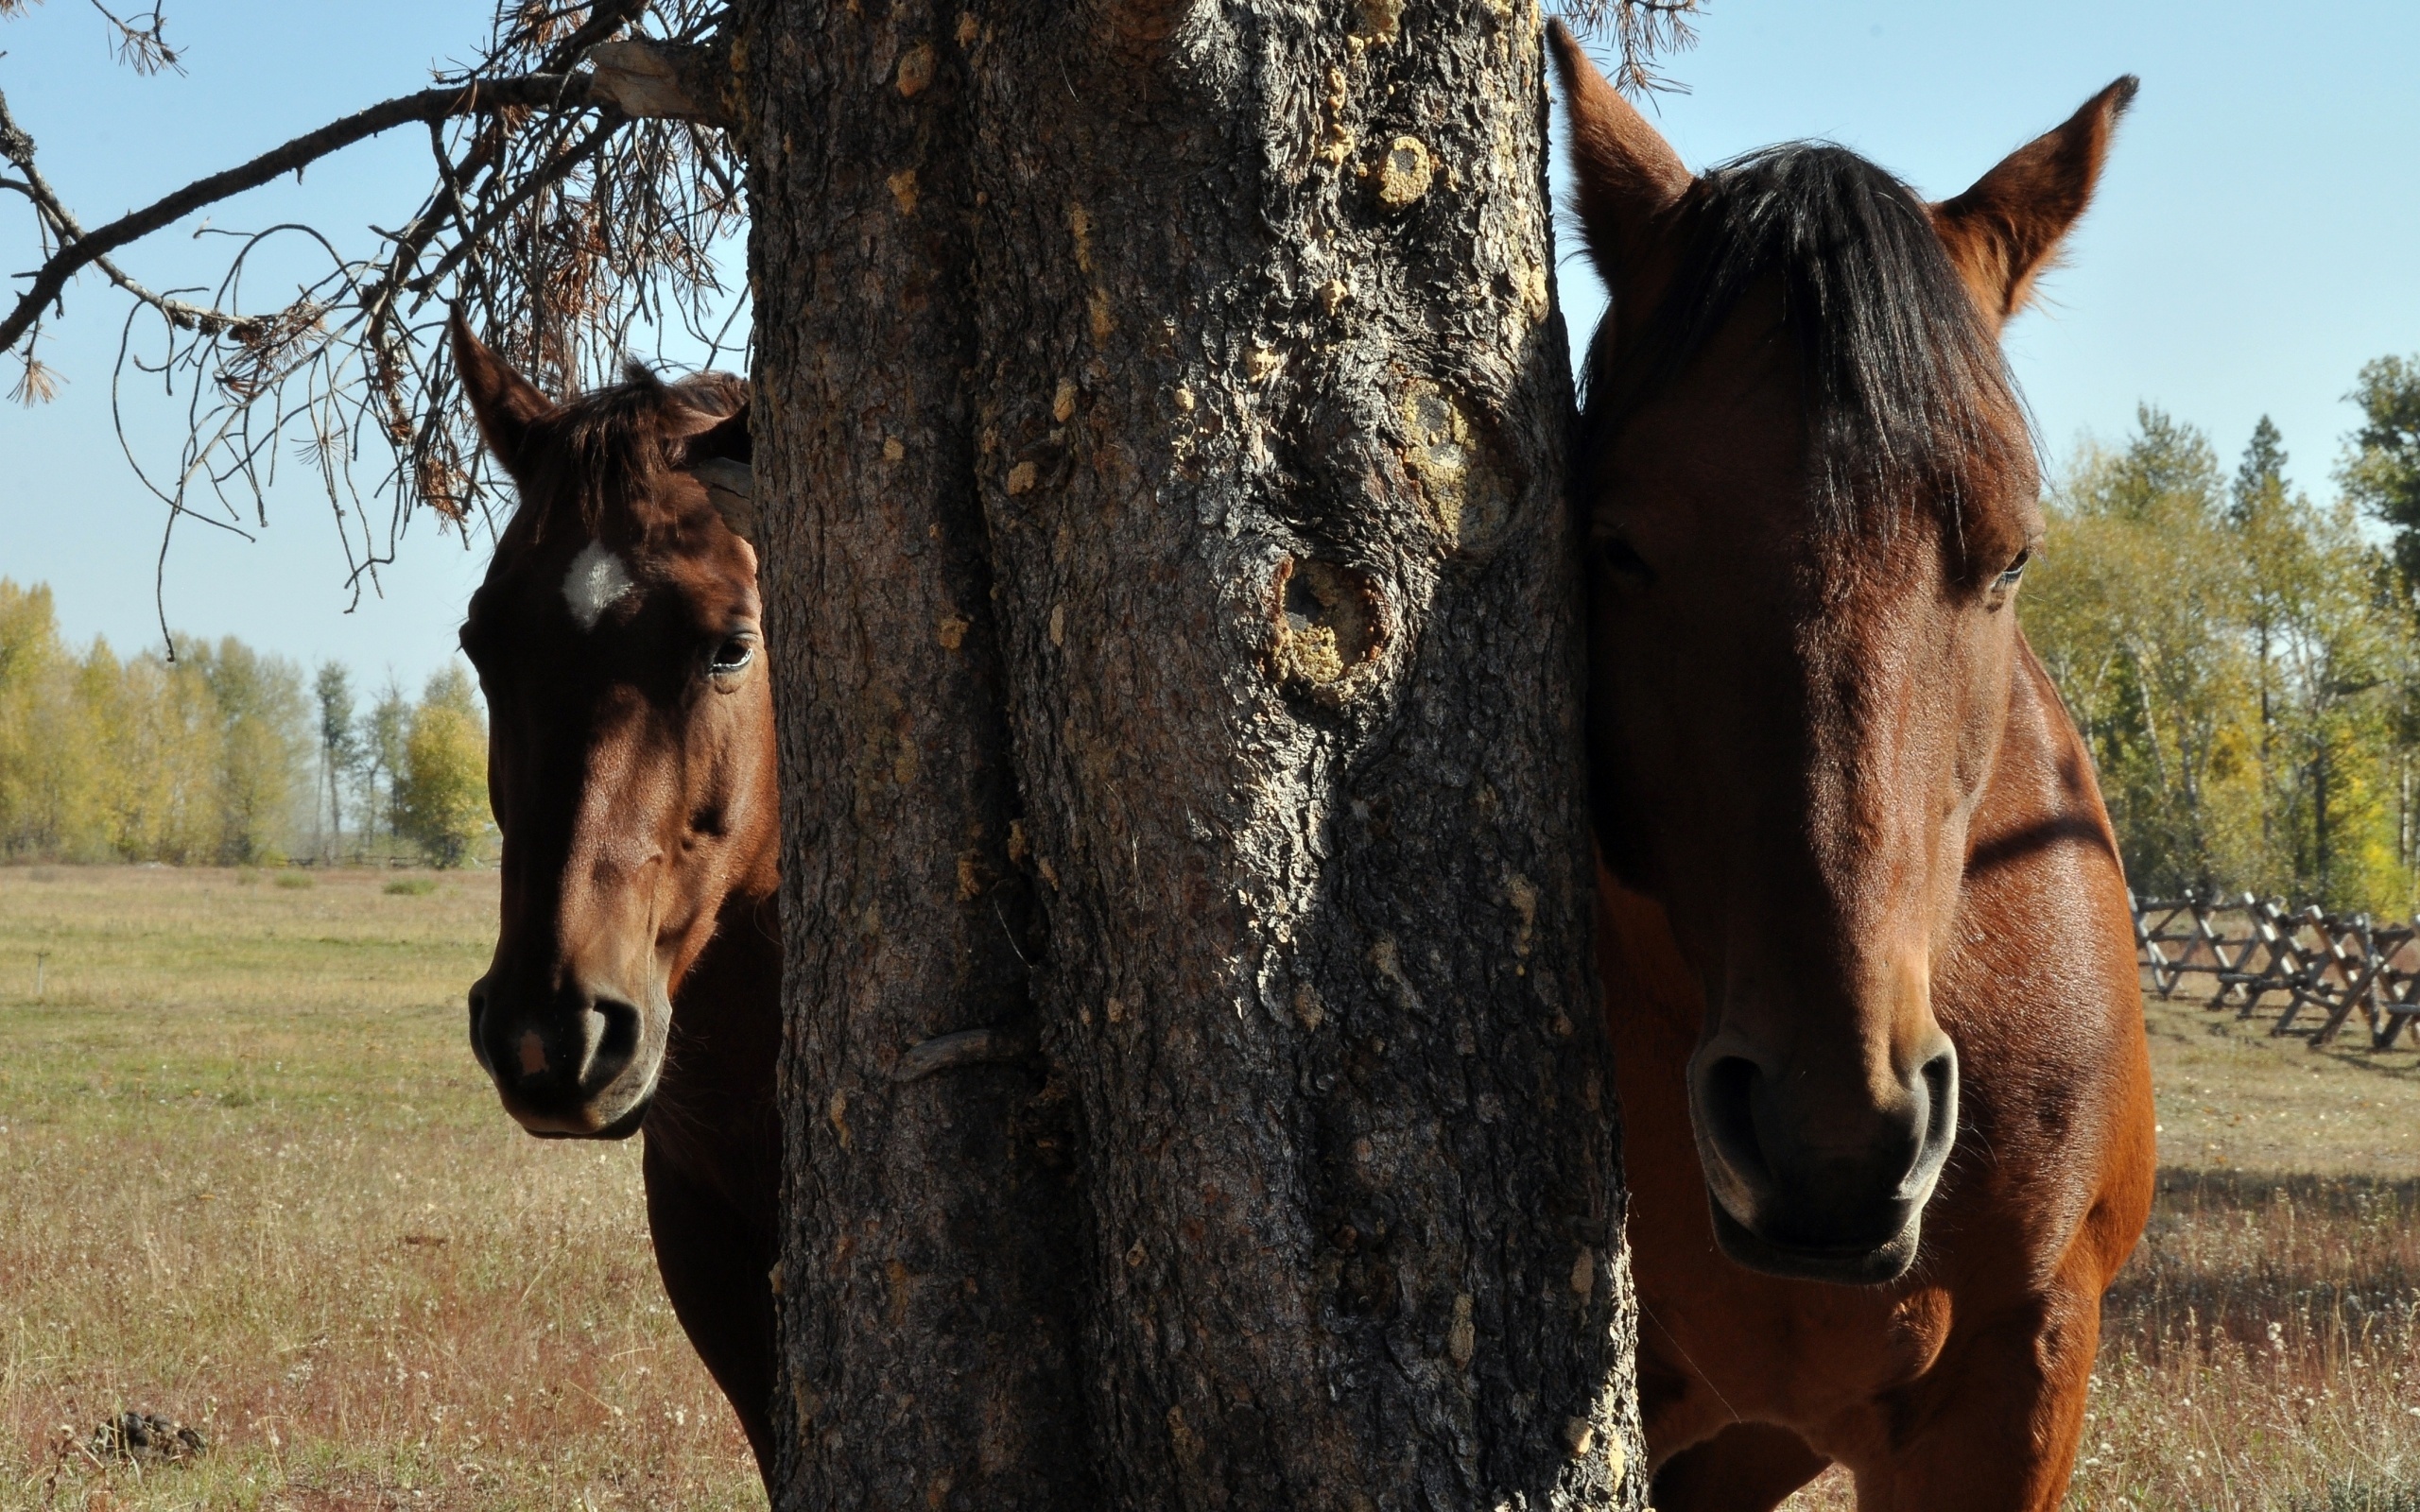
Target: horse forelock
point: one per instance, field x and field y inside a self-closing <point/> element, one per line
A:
<point x="598" y="464"/>
<point x="1906" y="392"/>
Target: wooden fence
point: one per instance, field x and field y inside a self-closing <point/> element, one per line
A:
<point x="2321" y="969"/>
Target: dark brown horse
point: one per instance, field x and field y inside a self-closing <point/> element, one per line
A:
<point x="1886" y="1094"/>
<point x="637" y="982"/>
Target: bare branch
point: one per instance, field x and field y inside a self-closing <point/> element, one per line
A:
<point x="17" y="147"/>
<point x="551" y="91"/>
<point x="583" y="179"/>
<point x="140" y="42"/>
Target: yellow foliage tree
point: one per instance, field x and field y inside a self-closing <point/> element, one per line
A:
<point x="201" y="759"/>
<point x="444" y="791"/>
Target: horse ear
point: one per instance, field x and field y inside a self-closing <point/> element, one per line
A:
<point x="1629" y="175"/>
<point x="730" y="488"/>
<point x="718" y="456"/>
<point x="724" y="437"/>
<point x="2001" y="233"/>
<point x="507" y="404"/>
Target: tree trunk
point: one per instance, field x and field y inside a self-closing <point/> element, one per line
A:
<point x="925" y="1291"/>
<point x="1159" y="417"/>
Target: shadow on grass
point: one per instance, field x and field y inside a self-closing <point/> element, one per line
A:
<point x="2274" y="1263"/>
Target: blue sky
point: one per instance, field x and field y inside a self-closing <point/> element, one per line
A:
<point x="2256" y="239"/>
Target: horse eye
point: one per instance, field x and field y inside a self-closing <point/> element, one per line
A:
<point x="733" y="655"/>
<point x="2015" y="571"/>
<point x="1623" y="558"/>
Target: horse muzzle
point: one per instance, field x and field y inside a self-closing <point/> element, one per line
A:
<point x="1821" y="1190"/>
<point x="568" y="1063"/>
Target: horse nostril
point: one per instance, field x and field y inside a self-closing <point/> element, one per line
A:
<point x="618" y="1038"/>
<point x="1726" y="1100"/>
<point x="1940" y="1083"/>
<point x="1940" y="1079"/>
<point x="533" y="1053"/>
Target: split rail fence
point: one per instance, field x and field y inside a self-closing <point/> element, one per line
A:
<point x="2318" y="970"/>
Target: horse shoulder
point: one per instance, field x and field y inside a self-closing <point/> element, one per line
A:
<point x="2039" y="987"/>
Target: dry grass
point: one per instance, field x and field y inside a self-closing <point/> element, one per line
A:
<point x="2262" y="1351"/>
<point x="253" y="1180"/>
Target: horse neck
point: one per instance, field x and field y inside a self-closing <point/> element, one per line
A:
<point x="735" y="981"/>
<point x="2042" y="792"/>
<point x="714" y="1116"/>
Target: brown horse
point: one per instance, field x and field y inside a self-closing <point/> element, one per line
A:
<point x="636" y="983"/>
<point x="1886" y="1093"/>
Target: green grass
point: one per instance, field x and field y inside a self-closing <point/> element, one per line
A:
<point x="254" y="1182"/>
<point x="410" y="888"/>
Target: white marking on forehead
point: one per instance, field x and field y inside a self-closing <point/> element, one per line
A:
<point x="597" y="582"/>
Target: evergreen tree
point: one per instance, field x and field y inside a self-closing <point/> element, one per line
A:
<point x="2381" y="469"/>
<point x="2257" y="513"/>
<point x="2261" y="474"/>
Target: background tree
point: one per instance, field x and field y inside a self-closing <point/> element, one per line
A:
<point x="205" y="758"/>
<point x="443" y="793"/>
<point x="2242" y="667"/>
<point x="2135" y="614"/>
<point x="339" y="746"/>
<point x="49" y="797"/>
<point x="209" y="758"/>
<point x="2341" y="641"/>
<point x="384" y="737"/>
<point x="262" y="747"/>
<point x="168" y="726"/>
<point x="2381" y="470"/>
<point x="2256" y="509"/>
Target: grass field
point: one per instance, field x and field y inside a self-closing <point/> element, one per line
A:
<point x="251" y="1180"/>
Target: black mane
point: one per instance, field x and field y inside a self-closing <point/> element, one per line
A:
<point x="1902" y="378"/>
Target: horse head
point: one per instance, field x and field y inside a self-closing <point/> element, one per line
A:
<point x="1811" y="494"/>
<point x="617" y="639"/>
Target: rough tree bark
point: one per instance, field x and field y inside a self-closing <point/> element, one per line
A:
<point x="1194" y="1089"/>
<point x="925" y="1292"/>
